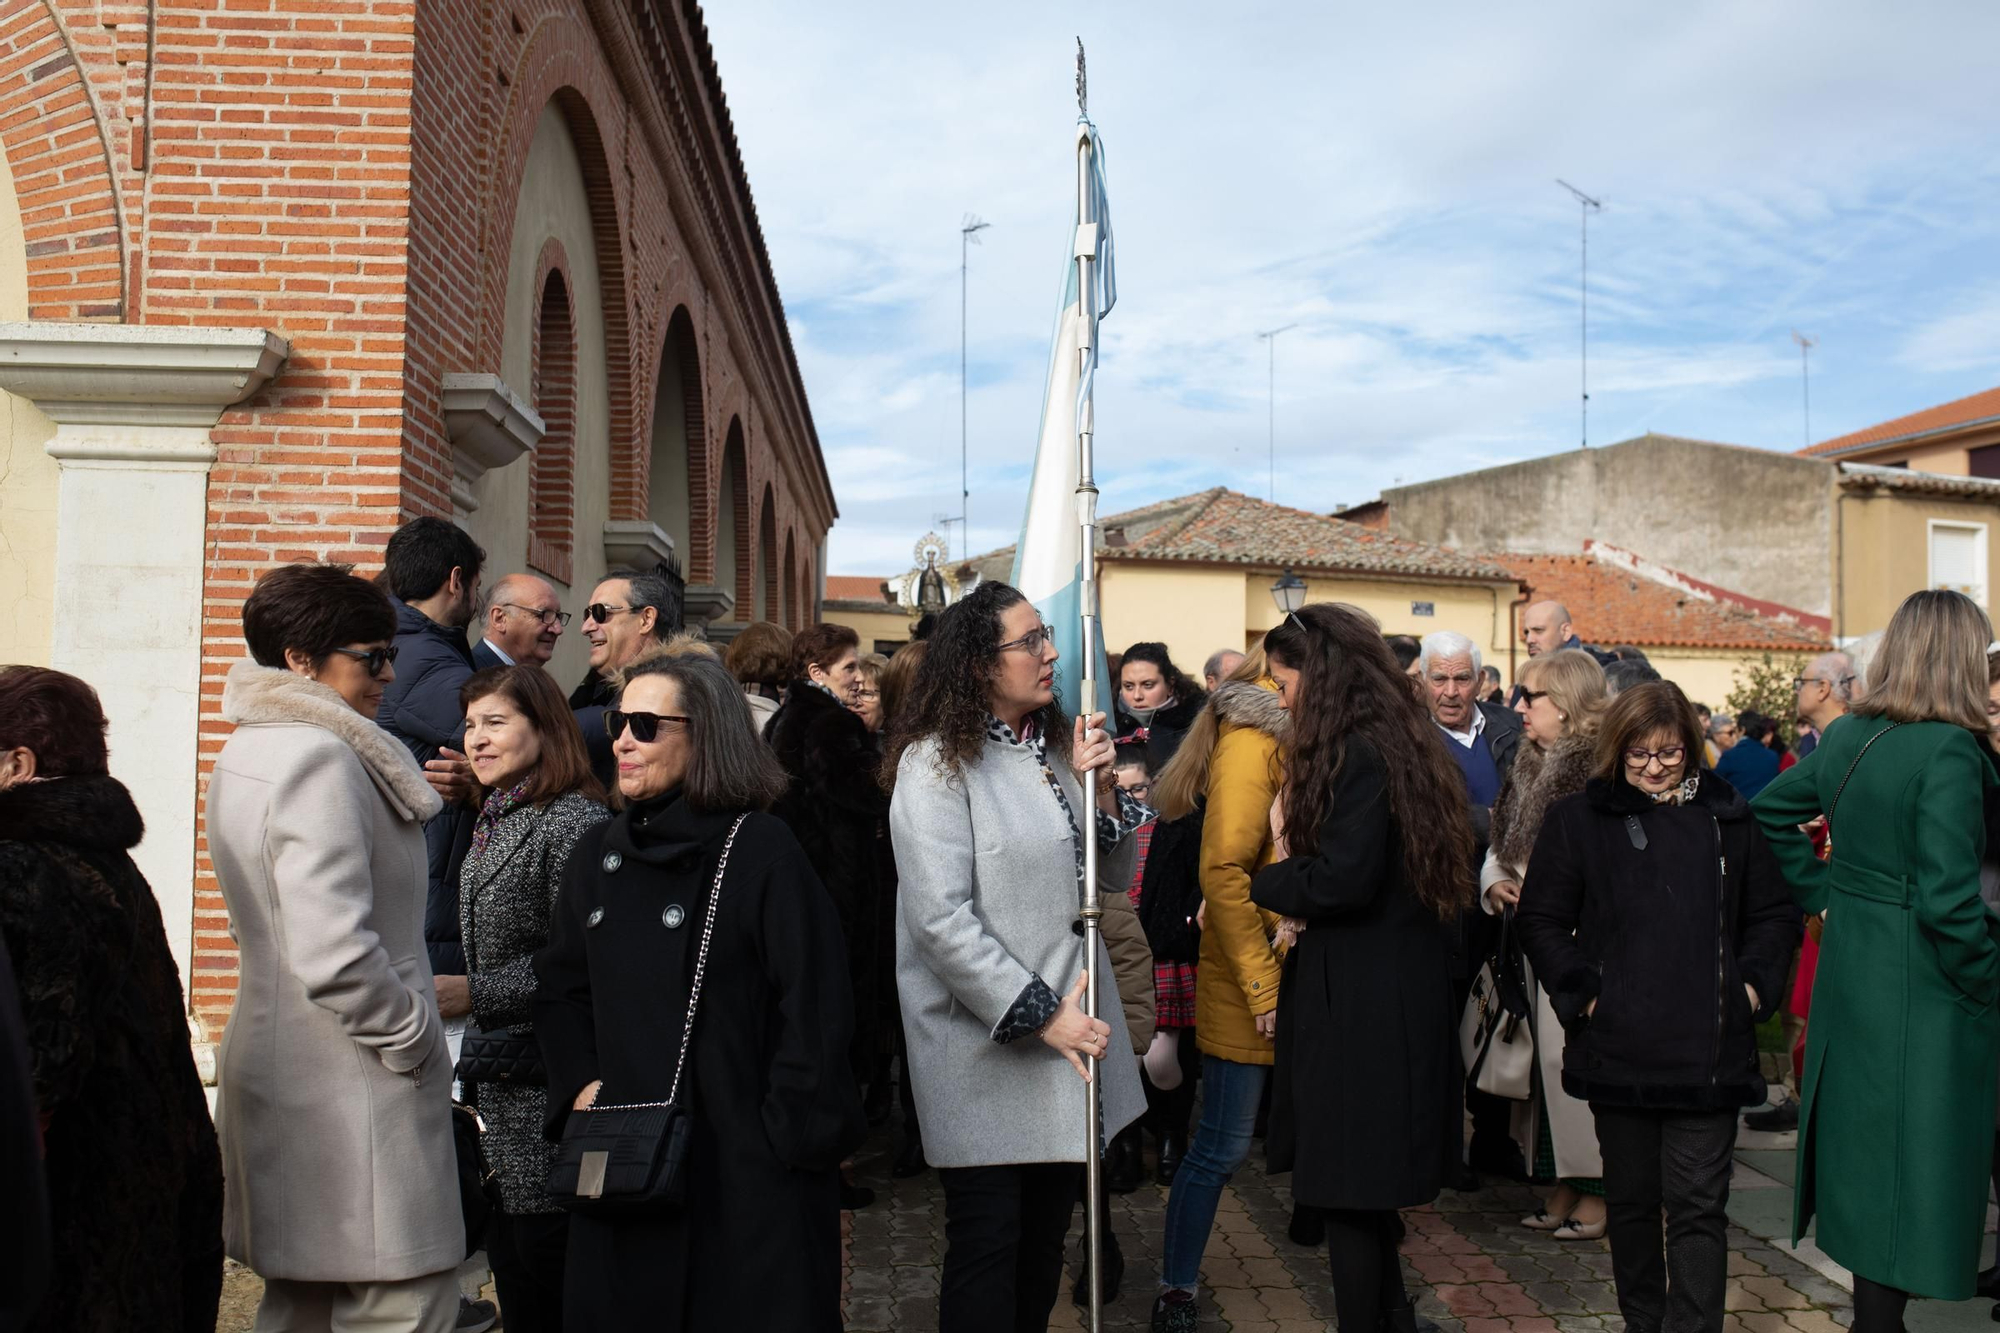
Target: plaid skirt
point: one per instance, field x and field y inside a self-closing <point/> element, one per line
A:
<point x="1173" y="994"/>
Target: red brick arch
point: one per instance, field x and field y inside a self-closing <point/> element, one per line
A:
<point x="54" y="139"/>
<point x="552" y="382"/>
<point x="561" y="63"/>
<point x="679" y="339"/>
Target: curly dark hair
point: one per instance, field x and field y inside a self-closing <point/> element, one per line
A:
<point x="1179" y="687"/>
<point x="1350" y="686"/>
<point x="949" y="700"/>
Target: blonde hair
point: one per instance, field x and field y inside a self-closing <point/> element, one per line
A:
<point x="872" y="665"/>
<point x="1931" y="666"/>
<point x="683" y="644"/>
<point x="1574" y="682"/>
<point x="1184" y="780"/>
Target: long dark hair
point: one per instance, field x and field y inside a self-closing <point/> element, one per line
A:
<point x="1351" y="687"/>
<point x="565" y="763"/>
<point x="1179" y="688"/>
<point x="729" y="769"/>
<point x="951" y="697"/>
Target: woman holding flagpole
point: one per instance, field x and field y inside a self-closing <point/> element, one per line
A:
<point x="993" y="787"/>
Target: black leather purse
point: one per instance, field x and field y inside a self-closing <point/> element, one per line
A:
<point x="626" y="1160"/>
<point x="509" y="1056"/>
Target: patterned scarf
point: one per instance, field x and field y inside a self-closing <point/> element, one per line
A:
<point x="1679" y="795"/>
<point x="499" y="804"/>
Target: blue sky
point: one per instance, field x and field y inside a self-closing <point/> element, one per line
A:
<point x="1383" y="177"/>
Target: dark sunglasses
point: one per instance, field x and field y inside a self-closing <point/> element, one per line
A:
<point x="375" y="659"/>
<point x="602" y="612"/>
<point x="1529" y="696"/>
<point x="645" y="726"/>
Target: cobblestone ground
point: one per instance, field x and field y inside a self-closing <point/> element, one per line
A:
<point x="1470" y="1265"/>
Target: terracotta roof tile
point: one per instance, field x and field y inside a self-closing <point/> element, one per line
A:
<point x="1611" y="605"/>
<point x="853" y="588"/>
<point x="1222" y="526"/>
<point x="1866" y="476"/>
<point x="1962" y="412"/>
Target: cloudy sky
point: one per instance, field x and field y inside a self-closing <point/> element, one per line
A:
<point x="1382" y="176"/>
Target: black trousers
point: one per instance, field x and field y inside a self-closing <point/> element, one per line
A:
<point x="527" y="1252"/>
<point x="1004" y="1228"/>
<point x="1676" y="1162"/>
<point x="1367" y="1274"/>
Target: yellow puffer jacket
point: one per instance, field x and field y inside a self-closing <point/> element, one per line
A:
<point x="1238" y="976"/>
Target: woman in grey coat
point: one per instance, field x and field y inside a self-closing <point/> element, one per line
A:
<point x="335" y="1099"/>
<point x="537" y="798"/>
<point x="990" y="780"/>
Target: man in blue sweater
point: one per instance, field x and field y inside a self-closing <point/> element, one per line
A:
<point x="1750" y="764"/>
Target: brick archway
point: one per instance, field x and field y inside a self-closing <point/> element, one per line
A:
<point x="679" y="354"/>
<point x="71" y="221"/>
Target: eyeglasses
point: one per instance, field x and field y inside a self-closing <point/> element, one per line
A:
<point x="602" y="613"/>
<point x="1139" y="789"/>
<point x="645" y="726"/>
<point x="868" y="694"/>
<point x="1031" y="642"/>
<point x="1529" y="696"/>
<point x="1800" y="682"/>
<point x="1669" y="757"/>
<point x="546" y="617"/>
<point x="375" y="659"/>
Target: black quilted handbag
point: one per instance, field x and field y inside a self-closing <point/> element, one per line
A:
<point x="510" y="1056"/>
<point x="631" y="1160"/>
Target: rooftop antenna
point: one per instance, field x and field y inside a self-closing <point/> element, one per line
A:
<point x="1271" y="389"/>
<point x="1805" y="377"/>
<point x="1586" y="206"/>
<point x="968" y="235"/>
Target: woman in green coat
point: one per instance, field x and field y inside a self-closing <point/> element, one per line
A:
<point x="1896" y="1127"/>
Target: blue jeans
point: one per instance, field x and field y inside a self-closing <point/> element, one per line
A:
<point x="1229" y="1095"/>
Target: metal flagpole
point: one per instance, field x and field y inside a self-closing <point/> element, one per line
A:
<point x="1086" y="513"/>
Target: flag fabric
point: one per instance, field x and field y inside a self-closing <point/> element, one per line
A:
<point x="1048" y="559"/>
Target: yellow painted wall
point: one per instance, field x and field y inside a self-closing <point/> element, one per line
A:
<point x="885" y="626"/>
<point x="554" y="202"/>
<point x="1884" y="554"/>
<point x="1948" y="458"/>
<point x="28" y="478"/>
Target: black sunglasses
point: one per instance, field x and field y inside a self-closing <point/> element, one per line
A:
<point x="602" y="612"/>
<point x="375" y="659"/>
<point x="645" y="726"/>
<point x="1529" y="696"/>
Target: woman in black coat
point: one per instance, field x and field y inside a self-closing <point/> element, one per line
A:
<point x="1156" y="703"/>
<point x="1657" y="918"/>
<point x="1375" y="853"/>
<point x="757" y="1243"/>
<point x="134" y="1175"/>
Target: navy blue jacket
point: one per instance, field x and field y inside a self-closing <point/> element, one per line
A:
<point x="1748" y="766"/>
<point x="421" y="709"/>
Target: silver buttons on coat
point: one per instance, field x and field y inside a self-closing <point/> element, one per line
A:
<point x="673" y="916"/>
<point x="596" y="915"/>
<point x="612" y="861"/>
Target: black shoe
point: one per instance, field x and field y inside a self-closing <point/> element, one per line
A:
<point x="853" y="1198"/>
<point x="1467" y="1181"/>
<point x="1405" y="1319"/>
<point x="1988" y="1286"/>
<point x="1174" y="1312"/>
<point x="1774" y="1119"/>
<point x="475" y="1316"/>
<point x="1307" y="1227"/>
<point x="1114" y="1273"/>
<point x="910" y="1161"/>
<point x="1173" y="1147"/>
<point x="1497" y="1156"/>
<point x="1125" y="1163"/>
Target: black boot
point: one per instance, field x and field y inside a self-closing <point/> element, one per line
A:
<point x="1173" y="1147"/>
<point x="853" y="1198"/>
<point x="1125" y="1163"/>
<point x="1114" y="1272"/>
<point x="1307" y="1227"/>
<point x="1988" y="1285"/>
<point x="1174" y="1312"/>
<point x="910" y="1161"/>
<point x="1404" y="1319"/>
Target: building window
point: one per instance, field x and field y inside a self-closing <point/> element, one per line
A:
<point x="552" y="480"/>
<point x="1958" y="558"/>
<point x="1983" y="461"/>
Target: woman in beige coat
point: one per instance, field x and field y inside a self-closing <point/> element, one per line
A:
<point x="335" y="1105"/>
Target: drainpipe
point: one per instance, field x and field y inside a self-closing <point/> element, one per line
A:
<point x="1513" y="635"/>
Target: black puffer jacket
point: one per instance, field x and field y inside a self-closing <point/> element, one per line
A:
<point x="1660" y="913"/>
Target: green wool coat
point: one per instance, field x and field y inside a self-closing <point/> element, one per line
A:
<point x="1896" y="1122"/>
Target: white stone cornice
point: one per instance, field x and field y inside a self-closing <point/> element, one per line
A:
<point x="489" y="426"/>
<point x="708" y="604"/>
<point x="132" y="378"/>
<point x="635" y="544"/>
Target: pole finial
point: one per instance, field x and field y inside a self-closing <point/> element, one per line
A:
<point x="1082" y="84"/>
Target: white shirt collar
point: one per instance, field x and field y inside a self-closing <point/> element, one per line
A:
<point x="1467" y="738"/>
<point x="498" y="652"/>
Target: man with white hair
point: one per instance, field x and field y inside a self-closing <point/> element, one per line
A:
<point x="1482" y="739"/>
<point x="1825" y="692"/>
<point x="521" y="622"/>
<point x="1220" y="663"/>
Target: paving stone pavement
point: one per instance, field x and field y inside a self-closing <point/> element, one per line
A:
<point x="1470" y="1265"/>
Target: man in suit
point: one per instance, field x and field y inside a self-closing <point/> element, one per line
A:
<point x="1482" y="739"/>
<point x="521" y="622"/>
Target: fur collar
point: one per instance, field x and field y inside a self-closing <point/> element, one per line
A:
<point x="1540" y="779"/>
<point x="92" y="811"/>
<point x="1247" y="704"/>
<point x="260" y="694"/>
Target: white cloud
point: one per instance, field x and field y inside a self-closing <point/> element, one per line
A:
<point x="1384" y="177"/>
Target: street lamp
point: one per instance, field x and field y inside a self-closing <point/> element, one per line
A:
<point x="1289" y="592"/>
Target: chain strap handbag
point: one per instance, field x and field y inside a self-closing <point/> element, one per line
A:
<point x="630" y="1159"/>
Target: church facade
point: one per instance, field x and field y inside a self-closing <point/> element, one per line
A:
<point x="278" y="277"/>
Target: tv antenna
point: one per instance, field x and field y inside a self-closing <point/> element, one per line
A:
<point x="1586" y="206"/>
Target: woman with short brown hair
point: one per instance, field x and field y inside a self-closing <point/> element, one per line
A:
<point x="537" y="799"/>
<point x="761" y="658"/>
<point x="1660" y="927"/>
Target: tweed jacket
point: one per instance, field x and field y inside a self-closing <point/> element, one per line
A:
<point x="505" y="893"/>
<point x="987" y="913"/>
<point x="335" y="1101"/>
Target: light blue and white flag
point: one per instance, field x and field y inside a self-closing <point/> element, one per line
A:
<point x="1048" y="561"/>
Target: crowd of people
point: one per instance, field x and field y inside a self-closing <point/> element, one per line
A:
<point x="612" y="984"/>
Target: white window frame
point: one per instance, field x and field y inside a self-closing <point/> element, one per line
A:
<point x="1978" y="530"/>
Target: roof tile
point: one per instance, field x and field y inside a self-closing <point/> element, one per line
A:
<point x="1611" y="605"/>
<point x="1964" y="411"/>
